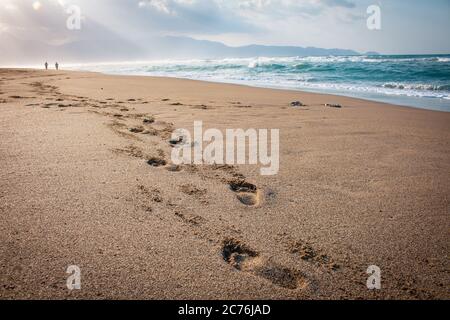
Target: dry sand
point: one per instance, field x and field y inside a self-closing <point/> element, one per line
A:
<point x="367" y="184"/>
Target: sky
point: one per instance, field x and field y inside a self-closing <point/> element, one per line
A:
<point x="407" y="26"/>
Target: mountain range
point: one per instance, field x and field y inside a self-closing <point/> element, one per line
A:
<point x="110" y="49"/>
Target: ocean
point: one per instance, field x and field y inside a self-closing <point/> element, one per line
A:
<point x="411" y="80"/>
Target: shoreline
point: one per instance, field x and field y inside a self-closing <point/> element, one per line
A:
<point x="384" y="99"/>
<point x="366" y="184"/>
<point x="286" y="89"/>
<point x="391" y="90"/>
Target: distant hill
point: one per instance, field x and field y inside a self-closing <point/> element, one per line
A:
<point x="188" y="47"/>
<point x="111" y="48"/>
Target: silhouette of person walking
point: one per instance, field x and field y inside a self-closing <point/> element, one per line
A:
<point x="46" y="65"/>
<point x="57" y="66"/>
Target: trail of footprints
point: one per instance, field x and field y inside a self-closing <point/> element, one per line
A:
<point x="245" y="192"/>
<point x="236" y="254"/>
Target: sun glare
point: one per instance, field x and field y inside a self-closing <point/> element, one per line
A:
<point x="37" y="5"/>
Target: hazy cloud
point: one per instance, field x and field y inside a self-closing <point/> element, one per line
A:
<point x="321" y="23"/>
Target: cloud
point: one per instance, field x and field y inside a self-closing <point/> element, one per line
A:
<point x="321" y="23"/>
<point x="194" y="16"/>
<point x="159" y="5"/>
<point x="45" y="19"/>
<point x="340" y="3"/>
<point x="42" y="23"/>
<point x="165" y="6"/>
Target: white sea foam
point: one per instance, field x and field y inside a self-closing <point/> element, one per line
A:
<point x="357" y="75"/>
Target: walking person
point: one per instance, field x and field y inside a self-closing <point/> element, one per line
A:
<point x="46" y="65"/>
<point x="56" y="65"/>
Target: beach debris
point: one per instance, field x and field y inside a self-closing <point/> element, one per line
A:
<point x="296" y="104"/>
<point x="333" y="105"/>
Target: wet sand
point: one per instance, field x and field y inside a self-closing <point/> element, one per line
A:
<point x="365" y="184"/>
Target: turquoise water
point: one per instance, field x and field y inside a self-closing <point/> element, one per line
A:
<point x="410" y="80"/>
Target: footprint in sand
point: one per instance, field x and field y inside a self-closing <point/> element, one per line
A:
<point x="244" y="259"/>
<point x="246" y="193"/>
<point x="148" y="119"/>
<point x="192" y="190"/>
<point x="191" y="219"/>
<point x="176" y="141"/>
<point x="153" y="194"/>
<point x="138" y="129"/>
<point x="156" y="162"/>
<point x="308" y="253"/>
<point x="131" y="151"/>
<point x="174" y="168"/>
<point x="202" y="107"/>
<point x="49" y="105"/>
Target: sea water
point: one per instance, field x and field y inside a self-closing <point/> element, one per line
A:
<point x="421" y="81"/>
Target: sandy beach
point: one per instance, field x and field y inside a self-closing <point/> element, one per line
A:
<point x="365" y="184"/>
